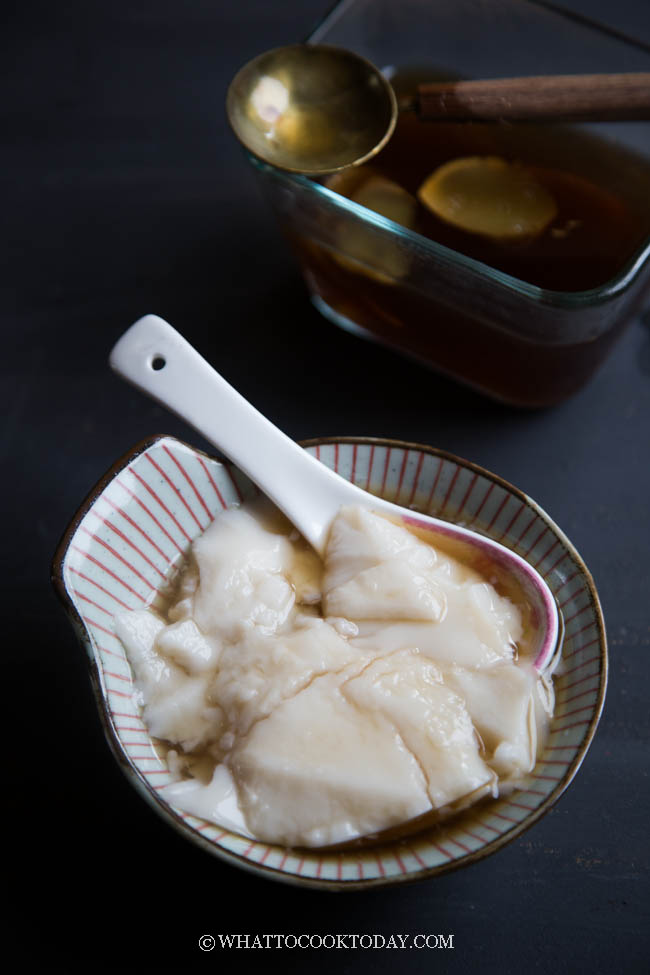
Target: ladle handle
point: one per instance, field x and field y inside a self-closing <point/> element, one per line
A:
<point x="562" y="98"/>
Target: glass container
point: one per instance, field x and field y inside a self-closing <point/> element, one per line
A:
<point x="525" y="322"/>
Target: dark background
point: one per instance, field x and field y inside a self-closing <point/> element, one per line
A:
<point x="125" y="193"/>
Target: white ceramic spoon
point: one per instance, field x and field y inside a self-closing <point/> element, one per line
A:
<point x="157" y="359"/>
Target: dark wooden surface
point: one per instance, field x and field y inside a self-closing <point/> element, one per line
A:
<point x="125" y="193"/>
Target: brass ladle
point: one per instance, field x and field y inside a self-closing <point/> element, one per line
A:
<point x="315" y="109"/>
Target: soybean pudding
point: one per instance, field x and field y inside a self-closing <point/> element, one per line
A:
<point x="312" y="702"/>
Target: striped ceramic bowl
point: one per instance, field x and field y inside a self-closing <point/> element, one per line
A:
<point x="136" y="527"/>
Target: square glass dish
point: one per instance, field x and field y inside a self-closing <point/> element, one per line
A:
<point x="526" y="322"/>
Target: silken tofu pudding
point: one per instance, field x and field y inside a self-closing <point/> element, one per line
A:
<point x="310" y="702"/>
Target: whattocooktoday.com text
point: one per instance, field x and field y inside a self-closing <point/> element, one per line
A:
<point x="209" y="942"/>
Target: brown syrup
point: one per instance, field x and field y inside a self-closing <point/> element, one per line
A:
<point x="592" y="237"/>
<point x="602" y="222"/>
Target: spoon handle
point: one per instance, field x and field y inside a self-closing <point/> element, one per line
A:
<point x="156" y="359"/>
<point x="567" y="98"/>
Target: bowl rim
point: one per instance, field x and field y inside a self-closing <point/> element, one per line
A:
<point x="235" y="859"/>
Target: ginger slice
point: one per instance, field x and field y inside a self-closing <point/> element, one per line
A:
<point x="361" y="248"/>
<point x="488" y="195"/>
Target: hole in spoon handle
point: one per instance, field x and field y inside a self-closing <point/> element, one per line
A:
<point x="188" y="385"/>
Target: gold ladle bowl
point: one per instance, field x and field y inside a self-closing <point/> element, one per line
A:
<point x="311" y="109"/>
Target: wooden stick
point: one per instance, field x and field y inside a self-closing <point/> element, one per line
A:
<point x="562" y="98"/>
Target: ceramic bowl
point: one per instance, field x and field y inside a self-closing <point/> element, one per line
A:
<point x="136" y="526"/>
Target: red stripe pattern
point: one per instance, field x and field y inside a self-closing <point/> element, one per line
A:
<point x="139" y="529"/>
